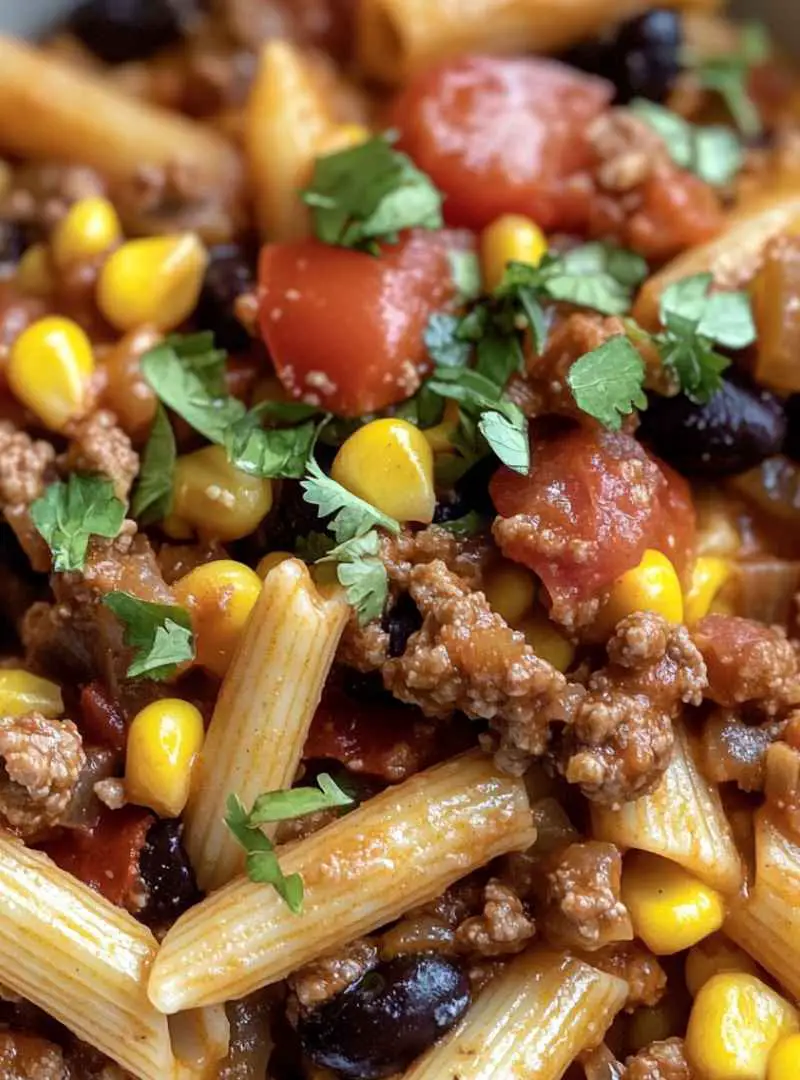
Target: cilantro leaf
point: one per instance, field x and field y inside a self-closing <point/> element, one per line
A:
<point x="607" y="382"/>
<point x="152" y="496"/>
<point x="599" y="276"/>
<point x="727" y="74"/>
<point x="465" y="269"/>
<point x="68" y="514"/>
<point x="469" y="525"/>
<point x="508" y="439"/>
<point x="353" y="516"/>
<point x="160" y="634"/>
<point x="272" y="453"/>
<point x="370" y="193"/>
<point x="713" y="153"/>
<point x="695" y="362"/>
<point x="299" y="801"/>
<point x="362" y="574"/>
<point x="443" y="342"/>
<point x="262" y="860"/>
<point x="499" y="356"/>
<point x="188" y="374"/>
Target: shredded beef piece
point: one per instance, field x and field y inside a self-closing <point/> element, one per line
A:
<point x="660" y="1061"/>
<point x="748" y="662"/>
<point x="126" y="562"/>
<point x="584" y="909"/>
<point x="27" y="1057"/>
<point x="402" y="553"/>
<point x="620" y="738"/>
<point x="26" y="464"/>
<point x="42" y="759"/>
<point x="631" y="961"/>
<point x="503" y="928"/>
<point x="466" y="657"/>
<point x="324" y="978"/>
<point x="99" y="445"/>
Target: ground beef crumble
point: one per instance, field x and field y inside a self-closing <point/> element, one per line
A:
<point x="632" y="962"/>
<point x="27" y="1057"/>
<point x="660" y="1061"/>
<point x="26" y="464"/>
<point x="99" y="445"/>
<point x="583" y="907"/>
<point x="329" y="975"/>
<point x="504" y="927"/>
<point x="748" y="662"/>
<point x="42" y="759"/>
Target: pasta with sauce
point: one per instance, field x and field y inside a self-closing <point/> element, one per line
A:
<point x="399" y="536"/>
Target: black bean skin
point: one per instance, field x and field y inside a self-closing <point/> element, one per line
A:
<point x="791" y="446"/>
<point x="734" y="431"/>
<point x="167" y="875"/>
<point x="389" y="1017"/>
<point x="400" y="622"/>
<point x="118" y="31"/>
<point x="640" y="57"/>
<point x="230" y="273"/>
<point x="14" y="240"/>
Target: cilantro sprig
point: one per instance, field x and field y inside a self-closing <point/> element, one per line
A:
<point x="607" y="383"/>
<point x="70" y="512"/>
<point x="152" y="496"/>
<point x="727" y="75"/>
<point x="370" y="193"/>
<point x="262" y="859"/>
<point x="160" y="635"/>
<point x="713" y="152"/>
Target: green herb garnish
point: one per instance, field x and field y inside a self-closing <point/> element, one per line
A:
<point x="69" y="513"/>
<point x="160" y="634"/>
<point x="727" y="74"/>
<point x="713" y="153"/>
<point x="152" y="496"/>
<point x="607" y="382"/>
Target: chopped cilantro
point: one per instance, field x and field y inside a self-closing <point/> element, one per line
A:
<point x="607" y="382"/>
<point x="713" y="153"/>
<point x="353" y="517"/>
<point x="273" y="452"/>
<point x="69" y="513"/>
<point x="160" y="634"/>
<point x="370" y="193"/>
<point x="470" y="524"/>
<point x="443" y="342"/>
<point x="152" y="496"/>
<point x="465" y="268"/>
<point x="727" y="74"/>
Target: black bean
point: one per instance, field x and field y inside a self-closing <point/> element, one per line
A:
<point x="14" y="240"/>
<point x="166" y="874"/>
<point x="390" y="1016"/>
<point x="118" y="31"/>
<point x="640" y="57"/>
<point x="230" y="273"/>
<point x="734" y="431"/>
<point x="400" y="622"/>
<point x="791" y="446"/>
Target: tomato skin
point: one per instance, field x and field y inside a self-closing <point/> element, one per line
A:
<point x="592" y="502"/>
<point x="344" y="328"/>
<point x="504" y="136"/>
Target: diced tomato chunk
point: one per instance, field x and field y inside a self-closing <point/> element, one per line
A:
<point x="344" y="328"/>
<point x="591" y="504"/>
<point x="504" y="135"/>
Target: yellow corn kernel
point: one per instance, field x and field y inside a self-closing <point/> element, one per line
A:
<point x="671" y="910"/>
<point x="509" y="238"/>
<point x="784" y="1061"/>
<point x="35" y="271"/>
<point x="440" y="438"/>
<point x="155" y="280"/>
<point x="735" y="1022"/>
<point x="342" y="137"/>
<point x="708" y="576"/>
<point x="220" y="596"/>
<point x="546" y="640"/>
<point x="653" y="585"/>
<point x="49" y="370"/>
<point x="163" y="743"/>
<point x="21" y="692"/>
<point x="271" y="560"/>
<point x="389" y="464"/>
<point x="713" y="955"/>
<point x="214" y="499"/>
<point x="90" y="227"/>
<point x="510" y="590"/>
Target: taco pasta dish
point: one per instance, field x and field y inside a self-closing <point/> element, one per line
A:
<point x="399" y="543"/>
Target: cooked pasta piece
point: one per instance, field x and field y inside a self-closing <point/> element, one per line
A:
<point x="266" y="704"/>
<point x="397" y="37"/>
<point x="286" y="119"/>
<point x="399" y="849"/>
<point x="52" y="111"/>
<point x="767" y="922"/>
<point x="531" y="1022"/>
<point x="86" y="962"/>
<point x="682" y="820"/>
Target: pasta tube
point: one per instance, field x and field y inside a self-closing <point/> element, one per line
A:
<point x="266" y="704"/>
<point x="395" y="38"/>
<point x="53" y="111"/>
<point x="767" y="922"/>
<point x="400" y="849"/>
<point x="682" y="820"/>
<point x="82" y="960"/>
<point x="286" y="119"/>
<point x="530" y="1022"/>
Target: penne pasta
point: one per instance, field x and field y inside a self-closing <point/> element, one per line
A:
<point x="85" y="962"/>
<point x="530" y="1023"/>
<point x="52" y="111"/>
<point x="267" y="701"/>
<point x="399" y="849"/>
<point x="766" y="923"/>
<point x="286" y="118"/>
<point x="682" y="820"/>
<point x="201" y="1039"/>
<point x="395" y="38"/>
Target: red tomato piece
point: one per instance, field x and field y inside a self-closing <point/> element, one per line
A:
<point x="344" y="328"/>
<point x="504" y="135"/>
<point x="593" y="501"/>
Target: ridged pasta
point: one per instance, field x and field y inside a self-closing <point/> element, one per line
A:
<point x="261" y="719"/>
<point x="399" y="849"/>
